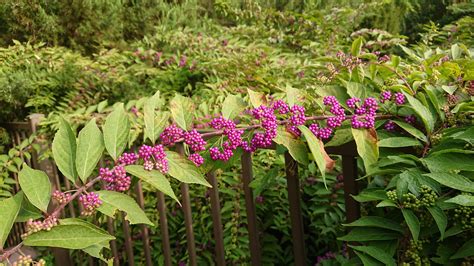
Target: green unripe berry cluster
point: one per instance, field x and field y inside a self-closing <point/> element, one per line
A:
<point x="464" y="216"/>
<point x="413" y="254"/>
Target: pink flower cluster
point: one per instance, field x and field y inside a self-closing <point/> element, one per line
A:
<point x="90" y="202"/>
<point x="268" y="122"/>
<point x="234" y="139"/>
<point x="154" y="158"/>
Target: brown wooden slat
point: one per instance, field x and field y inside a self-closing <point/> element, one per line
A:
<point x="113" y="243"/>
<point x="127" y="234"/>
<point x="188" y="216"/>
<point x="294" y="198"/>
<point x="216" y="220"/>
<point x="165" y="238"/>
<point x="349" y="171"/>
<point x="145" y="234"/>
<point x="247" y="176"/>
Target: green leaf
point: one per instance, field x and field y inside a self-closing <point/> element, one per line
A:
<point x="116" y="130"/>
<point x="296" y="147"/>
<point x="361" y="234"/>
<point x="422" y="111"/>
<point x="367" y="148"/>
<point x="458" y="182"/>
<point x="154" y="122"/>
<point x="96" y="252"/>
<point x="232" y="107"/>
<point x="367" y="260"/>
<point x="292" y="95"/>
<point x="90" y="145"/>
<point x="467" y="250"/>
<point x="444" y="162"/>
<point x="396" y="142"/>
<point x="370" y="195"/>
<point x="376" y="253"/>
<point x="375" y="221"/>
<point x="463" y="200"/>
<point x="153" y="177"/>
<point x="356" y="46"/>
<point x="9" y="208"/>
<point x="316" y="147"/>
<point x="64" y="150"/>
<point x="440" y="218"/>
<point x="256" y="98"/>
<point x="184" y="170"/>
<point x="36" y="186"/>
<point x="113" y="201"/>
<point x="70" y="236"/>
<point x="182" y="111"/>
<point x="28" y="211"/>
<point x="412" y="222"/>
<point x="342" y="136"/>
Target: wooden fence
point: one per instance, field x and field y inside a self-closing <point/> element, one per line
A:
<point x="348" y="152"/>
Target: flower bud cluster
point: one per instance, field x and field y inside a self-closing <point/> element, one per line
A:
<point x="90" y="202"/>
<point x="268" y="122"/>
<point x="234" y="139"/>
<point x="348" y="61"/>
<point x="36" y="226"/>
<point x="61" y="197"/>
<point x="27" y="260"/>
<point x="171" y="134"/>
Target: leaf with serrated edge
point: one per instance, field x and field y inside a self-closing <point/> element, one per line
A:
<point x="184" y="170"/>
<point x="182" y="111"/>
<point x="64" y="150"/>
<point x="113" y="201"/>
<point x="440" y="218"/>
<point x="154" y="122"/>
<point x="422" y="112"/>
<point x="412" y="222"/>
<point x="458" y="182"/>
<point x="463" y="200"/>
<point x="153" y="177"/>
<point x="116" y="129"/>
<point x="376" y="253"/>
<point x="90" y="145"/>
<point x="296" y="147"/>
<point x="9" y="209"/>
<point x="375" y="221"/>
<point x="316" y="146"/>
<point x="256" y="98"/>
<point x="70" y="236"/>
<point x="412" y="130"/>
<point x="232" y="106"/>
<point x="367" y="148"/>
<point x="36" y="186"/>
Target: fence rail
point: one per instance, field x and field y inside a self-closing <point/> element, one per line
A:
<point x="22" y="130"/>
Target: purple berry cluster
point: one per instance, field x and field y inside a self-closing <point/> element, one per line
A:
<point x="154" y="158"/>
<point x="234" y="139"/>
<point x="352" y="103"/>
<point x="410" y="119"/>
<point x="36" y="226"/>
<point x="281" y="107"/>
<point x="337" y="110"/>
<point x="268" y="123"/>
<point x="364" y="116"/>
<point x="398" y="97"/>
<point x="128" y="158"/>
<point x="116" y="178"/>
<point x="90" y="202"/>
<point x="297" y="118"/>
<point x="171" y="134"/>
<point x="390" y="126"/>
<point x="61" y="197"/>
<point x="196" y="143"/>
<point x="385" y="96"/>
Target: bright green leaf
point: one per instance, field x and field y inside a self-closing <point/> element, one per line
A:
<point x="116" y="130"/>
<point x="463" y="200"/>
<point x="90" y="145"/>
<point x="184" y="170"/>
<point x="36" y="186"/>
<point x="153" y="177"/>
<point x="64" y="150"/>
<point x="296" y="147"/>
<point x="396" y="142"/>
<point x="182" y="111"/>
<point x="316" y="147"/>
<point x="113" y="201"/>
<point x="232" y="107"/>
<point x="422" y="111"/>
<point x="412" y="222"/>
<point x="458" y="182"/>
<point x="9" y="208"/>
<point x="367" y="148"/>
